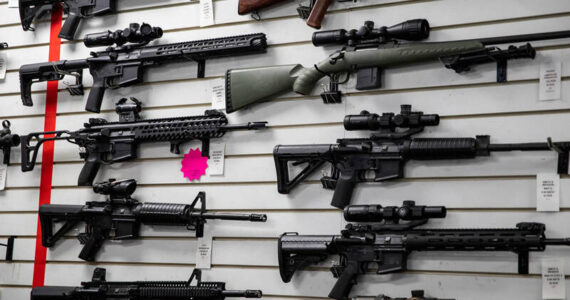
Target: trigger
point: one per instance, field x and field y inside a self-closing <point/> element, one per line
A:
<point x="175" y="147"/>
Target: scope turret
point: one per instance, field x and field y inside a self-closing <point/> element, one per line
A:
<point x="406" y="119"/>
<point x="409" y="211"/>
<point x="114" y="188"/>
<point x="411" y="30"/>
<point x="136" y="34"/>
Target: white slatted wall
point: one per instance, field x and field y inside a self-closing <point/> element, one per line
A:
<point x="498" y="191"/>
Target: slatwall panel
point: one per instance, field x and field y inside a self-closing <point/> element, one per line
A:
<point x="496" y="191"/>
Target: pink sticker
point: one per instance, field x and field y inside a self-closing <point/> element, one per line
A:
<point x="194" y="164"/>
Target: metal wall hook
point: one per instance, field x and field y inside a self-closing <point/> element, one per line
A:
<point x="553" y="146"/>
<point x="9" y="248"/>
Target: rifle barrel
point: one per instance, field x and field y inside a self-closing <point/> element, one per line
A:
<point x="561" y="242"/>
<point x="519" y="147"/>
<point x="234" y="217"/>
<point x="525" y="37"/>
<point x="246" y="126"/>
<point x="242" y="294"/>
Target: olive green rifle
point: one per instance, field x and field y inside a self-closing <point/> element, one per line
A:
<point x="368" y="51"/>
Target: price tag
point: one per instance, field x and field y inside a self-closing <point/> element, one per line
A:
<point x="3" y="65"/>
<point x="3" y="174"/>
<point x="206" y="9"/>
<point x="547" y="192"/>
<point x="13" y="3"/>
<point x="217" y="156"/>
<point x="204" y="252"/>
<point x="549" y="84"/>
<point x="553" y="283"/>
<point x="218" y="93"/>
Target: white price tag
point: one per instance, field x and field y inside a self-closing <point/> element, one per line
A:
<point x="553" y="283"/>
<point x="13" y="3"/>
<point x="547" y="192"/>
<point x="549" y="85"/>
<point x="206" y="9"/>
<point x="3" y="174"/>
<point x="216" y="161"/>
<point x="204" y="252"/>
<point x="3" y="65"/>
<point x="218" y="93"/>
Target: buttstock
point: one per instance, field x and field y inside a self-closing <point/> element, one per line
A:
<point x="318" y="13"/>
<point x="248" y="6"/>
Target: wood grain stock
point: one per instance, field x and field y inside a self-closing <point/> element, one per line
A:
<point x="248" y="6"/>
<point x="318" y="13"/>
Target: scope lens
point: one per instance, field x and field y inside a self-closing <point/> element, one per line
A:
<point x="364" y="213"/>
<point x="411" y="30"/>
<point x="329" y="37"/>
<point x="435" y="211"/>
<point x="99" y="39"/>
<point x="429" y="120"/>
<point x="362" y="122"/>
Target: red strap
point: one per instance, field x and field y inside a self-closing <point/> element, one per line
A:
<point x="47" y="153"/>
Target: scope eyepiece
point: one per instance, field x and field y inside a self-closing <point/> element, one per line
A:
<point x="136" y="34"/>
<point x="411" y="30"/>
<point x="121" y="188"/>
<point x="409" y="211"/>
<point x="406" y="119"/>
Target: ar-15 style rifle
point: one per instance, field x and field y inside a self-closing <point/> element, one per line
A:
<point x="8" y="140"/>
<point x="416" y="295"/>
<point x="314" y="13"/>
<point x="109" y="142"/>
<point x="386" y="152"/>
<point x="31" y="10"/>
<point x="387" y="244"/>
<point x="369" y="50"/>
<point x="123" y="65"/>
<point x="100" y="289"/>
<point x="120" y="217"/>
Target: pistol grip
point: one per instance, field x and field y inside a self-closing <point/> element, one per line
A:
<point x="89" y="172"/>
<point x="92" y="246"/>
<point x="345" y="282"/>
<point x="95" y="98"/>
<point x="344" y="187"/>
<point x="70" y="26"/>
<point x="318" y="13"/>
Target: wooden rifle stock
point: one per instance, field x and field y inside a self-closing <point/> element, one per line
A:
<point x="248" y="6"/>
<point x="318" y="13"/>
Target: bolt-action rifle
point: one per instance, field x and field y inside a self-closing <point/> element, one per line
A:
<point x="386" y="152"/>
<point x="105" y="142"/>
<point x="101" y="289"/>
<point x="416" y="295"/>
<point x="121" y="216"/>
<point x="7" y="141"/>
<point x="386" y="243"/>
<point x="368" y="51"/>
<point x="123" y="65"/>
<point x="314" y="13"/>
<point x="76" y="10"/>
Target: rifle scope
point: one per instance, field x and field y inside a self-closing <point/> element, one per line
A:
<point x="138" y="34"/>
<point x="409" y="211"/>
<point x="121" y="188"/>
<point x="411" y="30"/>
<point x="407" y="118"/>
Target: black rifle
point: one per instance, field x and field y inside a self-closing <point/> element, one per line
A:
<point x="416" y="295"/>
<point x="386" y="152"/>
<point x="31" y="10"/>
<point x="8" y="140"/>
<point x="387" y="244"/>
<point x="120" y="217"/>
<point x="100" y="289"/>
<point x="123" y="65"/>
<point x="105" y="142"/>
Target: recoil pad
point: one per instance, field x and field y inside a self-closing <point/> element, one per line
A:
<point x="192" y="292"/>
<point x="162" y="213"/>
<point x="442" y="148"/>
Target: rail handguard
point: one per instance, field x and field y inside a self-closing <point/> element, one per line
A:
<point x="386" y="152"/>
<point x="101" y="289"/>
<point x="367" y="52"/>
<point x="121" y="216"/>
<point x="76" y="10"/>
<point x="105" y="142"/>
<point x="124" y="64"/>
<point x="387" y="244"/>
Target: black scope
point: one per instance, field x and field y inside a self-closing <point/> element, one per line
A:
<point x="120" y="188"/>
<point x="406" y="119"/>
<point x="409" y="211"/>
<point x="136" y="34"/>
<point x="411" y="30"/>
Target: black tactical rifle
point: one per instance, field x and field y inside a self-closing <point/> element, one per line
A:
<point x="367" y="52"/>
<point x="121" y="216"/>
<point x="123" y="65"/>
<point x="101" y="289"/>
<point x="8" y="140"/>
<point x="105" y="142"/>
<point x="387" y="244"/>
<point x="76" y="10"/>
<point x="386" y="152"/>
<point x="416" y="295"/>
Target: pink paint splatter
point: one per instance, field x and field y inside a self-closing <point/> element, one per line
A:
<point x="194" y="165"/>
